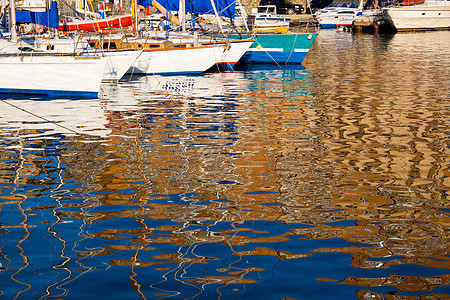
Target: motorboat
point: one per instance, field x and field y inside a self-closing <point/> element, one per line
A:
<point x="266" y="18"/>
<point x="339" y="12"/>
<point x="419" y="15"/>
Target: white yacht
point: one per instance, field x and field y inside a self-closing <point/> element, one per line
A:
<point x="339" y="12"/>
<point x="419" y="15"/>
<point x="266" y="18"/>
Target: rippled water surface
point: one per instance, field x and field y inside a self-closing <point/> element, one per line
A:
<point x="323" y="181"/>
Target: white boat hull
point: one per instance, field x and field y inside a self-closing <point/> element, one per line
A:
<point x="51" y="74"/>
<point x="118" y="63"/>
<point x="334" y="19"/>
<point x="419" y="17"/>
<point x="228" y="54"/>
<point x="176" y="61"/>
<point x="270" y="23"/>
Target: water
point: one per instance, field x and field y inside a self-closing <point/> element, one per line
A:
<point x="323" y="181"/>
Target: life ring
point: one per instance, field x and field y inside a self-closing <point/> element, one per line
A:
<point x="38" y="28"/>
<point x="19" y="3"/>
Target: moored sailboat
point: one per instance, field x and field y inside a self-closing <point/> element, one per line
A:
<point x="31" y="73"/>
<point x="269" y="48"/>
<point x="45" y="73"/>
<point x="278" y="48"/>
<point x="159" y="56"/>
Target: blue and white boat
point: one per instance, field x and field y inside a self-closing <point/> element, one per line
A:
<point x="339" y="12"/>
<point x="278" y="48"/>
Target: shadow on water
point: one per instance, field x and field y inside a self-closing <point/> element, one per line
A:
<point x="316" y="181"/>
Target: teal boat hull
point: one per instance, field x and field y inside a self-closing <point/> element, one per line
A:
<point x="287" y="48"/>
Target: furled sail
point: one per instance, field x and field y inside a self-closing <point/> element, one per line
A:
<point x="225" y="8"/>
<point x="97" y="25"/>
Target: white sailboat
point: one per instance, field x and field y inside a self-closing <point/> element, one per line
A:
<point x="118" y="61"/>
<point x="51" y="74"/>
<point x="44" y="73"/>
<point x="175" y="61"/>
<point x="226" y="52"/>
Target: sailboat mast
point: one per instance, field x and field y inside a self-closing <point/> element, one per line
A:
<point x="85" y="6"/>
<point x="12" y="21"/>
<point x="244" y="14"/>
<point x="136" y="15"/>
<point x="217" y="15"/>
<point x="182" y="15"/>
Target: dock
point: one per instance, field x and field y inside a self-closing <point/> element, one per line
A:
<point x="299" y="20"/>
<point x="373" y="23"/>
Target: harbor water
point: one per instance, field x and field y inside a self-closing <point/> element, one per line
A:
<point x="328" y="180"/>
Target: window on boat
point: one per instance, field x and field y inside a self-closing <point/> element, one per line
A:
<point x="107" y="45"/>
<point x="262" y="10"/>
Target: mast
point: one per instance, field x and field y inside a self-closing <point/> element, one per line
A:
<point x="85" y="6"/>
<point x="217" y="15"/>
<point x="12" y="21"/>
<point x="244" y="14"/>
<point x="182" y="15"/>
<point x="135" y="9"/>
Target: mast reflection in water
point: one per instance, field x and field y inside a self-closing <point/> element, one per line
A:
<point x="324" y="181"/>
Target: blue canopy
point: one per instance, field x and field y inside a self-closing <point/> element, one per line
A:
<point x="225" y="8"/>
<point x="47" y="18"/>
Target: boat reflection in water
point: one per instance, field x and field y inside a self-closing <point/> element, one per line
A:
<point x="299" y="183"/>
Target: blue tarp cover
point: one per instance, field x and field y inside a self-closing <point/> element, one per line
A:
<point x="225" y="8"/>
<point x="47" y="18"/>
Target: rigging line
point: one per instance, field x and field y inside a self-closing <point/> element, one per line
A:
<point x="269" y="55"/>
<point x="329" y="50"/>
<point x="37" y="116"/>
<point x="292" y="49"/>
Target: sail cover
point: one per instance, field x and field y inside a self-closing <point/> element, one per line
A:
<point x="47" y="18"/>
<point x="225" y="8"/>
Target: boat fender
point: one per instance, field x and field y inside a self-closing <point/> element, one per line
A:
<point x="38" y="28"/>
<point x="227" y="46"/>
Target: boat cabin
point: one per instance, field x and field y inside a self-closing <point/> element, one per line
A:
<point x="128" y="42"/>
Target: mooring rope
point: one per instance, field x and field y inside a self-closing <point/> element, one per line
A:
<point x="37" y="116"/>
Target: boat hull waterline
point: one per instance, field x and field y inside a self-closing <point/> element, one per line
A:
<point x="174" y="61"/>
<point x="289" y="48"/>
<point x="66" y="75"/>
<point x="118" y="63"/>
<point x="228" y="54"/>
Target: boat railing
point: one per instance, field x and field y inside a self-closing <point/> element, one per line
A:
<point x="399" y="3"/>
